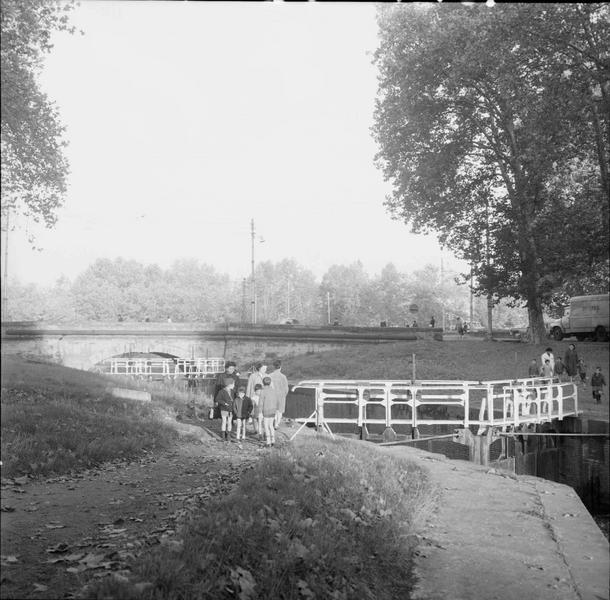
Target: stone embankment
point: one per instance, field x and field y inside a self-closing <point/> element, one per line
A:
<point x="495" y="535"/>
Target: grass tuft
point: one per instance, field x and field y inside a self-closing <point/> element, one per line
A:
<point x="323" y="519"/>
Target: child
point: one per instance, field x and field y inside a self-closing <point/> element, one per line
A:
<point x="268" y="407"/>
<point x="257" y="415"/>
<point x="582" y="371"/>
<point x="560" y="369"/>
<point x="533" y="370"/>
<point x="546" y="370"/>
<point x="597" y="385"/>
<point x="224" y="401"/>
<point x="242" y="407"/>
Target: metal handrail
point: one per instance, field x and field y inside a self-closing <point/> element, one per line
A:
<point x="513" y="400"/>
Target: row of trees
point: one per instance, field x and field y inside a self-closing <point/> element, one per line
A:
<point x="194" y="292"/>
<point x="493" y="125"/>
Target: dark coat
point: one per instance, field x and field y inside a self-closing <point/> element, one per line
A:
<point x="242" y="407"/>
<point x="224" y="400"/>
<point x="221" y="382"/>
<point x="571" y="362"/>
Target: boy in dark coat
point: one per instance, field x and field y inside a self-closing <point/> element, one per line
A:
<point x="242" y="408"/>
<point x="224" y="401"/>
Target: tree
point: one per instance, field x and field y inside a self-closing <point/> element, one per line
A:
<point x="34" y="168"/>
<point x="346" y="285"/>
<point x="478" y="115"/>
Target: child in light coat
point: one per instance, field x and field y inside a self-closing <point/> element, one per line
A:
<point x="257" y="414"/>
<point x="268" y="406"/>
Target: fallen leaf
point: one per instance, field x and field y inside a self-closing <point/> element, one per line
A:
<point x="62" y="547"/>
<point x="39" y="587"/>
<point x="7" y="508"/>
<point x="9" y="559"/>
<point x="52" y="526"/>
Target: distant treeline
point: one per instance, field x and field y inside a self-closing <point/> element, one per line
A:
<point x="191" y="291"/>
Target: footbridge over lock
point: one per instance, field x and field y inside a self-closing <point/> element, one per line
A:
<point x="471" y="413"/>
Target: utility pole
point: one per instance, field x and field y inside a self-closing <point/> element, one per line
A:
<point x="328" y="305"/>
<point x="243" y="301"/>
<point x="253" y="301"/>
<point x="442" y="289"/>
<point x="5" y="282"/>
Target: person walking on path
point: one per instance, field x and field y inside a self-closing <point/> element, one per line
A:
<point x="224" y="400"/>
<point x="597" y="385"/>
<point x="548" y="354"/>
<point x="279" y="383"/>
<point x="260" y="370"/>
<point x="268" y="406"/>
<point x="571" y="361"/>
<point x="242" y="408"/>
<point x="581" y="367"/>
<point x="432" y="321"/>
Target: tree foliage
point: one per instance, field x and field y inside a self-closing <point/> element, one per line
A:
<point x="34" y="168"/>
<point x="482" y="114"/>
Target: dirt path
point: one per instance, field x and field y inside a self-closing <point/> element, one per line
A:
<point x="60" y="533"/>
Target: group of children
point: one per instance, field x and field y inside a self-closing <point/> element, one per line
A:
<point x="262" y="402"/>
<point x="571" y="367"/>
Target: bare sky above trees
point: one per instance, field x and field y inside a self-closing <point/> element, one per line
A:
<point x="186" y="120"/>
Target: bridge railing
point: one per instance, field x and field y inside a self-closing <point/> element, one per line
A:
<point x="501" y="403"/>
<point x="166" y="367"/>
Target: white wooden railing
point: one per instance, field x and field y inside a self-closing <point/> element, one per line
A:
<point x="500" y="404"/>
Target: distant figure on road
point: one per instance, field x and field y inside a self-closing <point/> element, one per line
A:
<point x="571" y="361"/>
<point x="459" y="326"/>
<point x="414" y="324"/>
<point x="120" y="318"/>
<point x="169" y="319"/>
<point x="597" y="385"/>
<point x="336" y="323"/>
<point x="432" y="321"/>
<point x="279" y="384"/>
<point x="548" y="353"/>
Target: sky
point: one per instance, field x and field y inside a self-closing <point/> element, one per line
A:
<point x="186" y="120"/>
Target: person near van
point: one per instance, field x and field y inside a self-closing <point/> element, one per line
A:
<point x="560" y="370"/>
<point x="581" y="367"/>
<point x="597" y="385"/>
<point x="224" y="401"/>
<point x="571" y="361"/>
<point x="548" y="354"/>
<point x="279" y="383"/>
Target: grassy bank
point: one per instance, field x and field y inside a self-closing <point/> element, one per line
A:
<point x="320" y="519"/>
<point x="470" y="359"/>
<point x="56" y="420"/>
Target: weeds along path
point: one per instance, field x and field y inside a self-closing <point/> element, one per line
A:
<point x="60" y="533"/>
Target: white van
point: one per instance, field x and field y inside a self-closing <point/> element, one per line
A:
<point x="586" y="316"/>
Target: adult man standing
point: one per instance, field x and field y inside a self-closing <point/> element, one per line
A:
<point x="230" y="373"/>
<point x="279" y="384"/>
